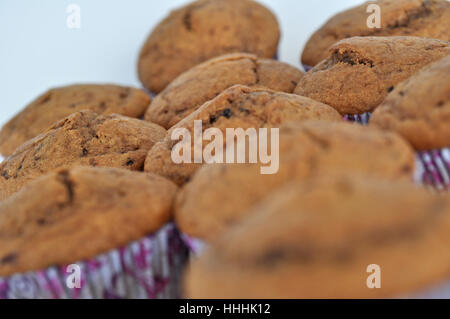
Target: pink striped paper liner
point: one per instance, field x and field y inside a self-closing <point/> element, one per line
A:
<point x="149" y="268"/>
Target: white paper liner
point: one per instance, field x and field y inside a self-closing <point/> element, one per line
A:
<point x="146" y="269"/>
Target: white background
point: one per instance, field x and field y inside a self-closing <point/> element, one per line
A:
<point x="39" y="51"/>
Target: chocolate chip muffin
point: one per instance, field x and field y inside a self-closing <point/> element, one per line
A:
<point x="83" y="138"/>
<point x="317" y="239"/>
<point x="202" y="30"/>
<point x="202" y="83"/>
<point x="422" y="18"/>
<point x="237" y="107"/>
<point x="419" y="108"/>
<point x="359" y="72"/>
<point x="58" y="103"/>
<point x="75" y="214"/>
<point x="219" y="196"/>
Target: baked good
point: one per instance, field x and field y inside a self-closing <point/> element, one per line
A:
<point x="83" y="138"/>
<point x="202" y="30"/>
<point x="317" y="239"/>
<point x="236" y="107"/>
<point x="58" y="103"/>
<point x="203" y="82"/>
<point x="219" y="196"/>
<point x="419" y="108"/>
<point x="359" y="72"/>
<point x="422" y="18"/>
<point x="74" y="214"/>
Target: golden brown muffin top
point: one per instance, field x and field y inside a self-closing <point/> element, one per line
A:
<point x="359" y="72"/>
<point x="317" y="239"/>
<point x="74" y="214"/>
<point x="83" y="138"/>
<point x="58" y="103"/>
<point x="421" y="18"/>
<point x="237" y="107"/>
<point x="419" y="108"/>
<point x="219" y="196"/>
<point x="202" y="30"/>
<point x="205" y="81"/>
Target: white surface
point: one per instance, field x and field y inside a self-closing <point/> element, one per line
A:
<point x="39" y="51"/>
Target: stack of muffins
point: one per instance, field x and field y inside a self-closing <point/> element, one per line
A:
<point x="93" y="205"/>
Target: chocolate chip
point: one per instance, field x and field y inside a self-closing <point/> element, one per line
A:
<point x="187" y="21"/>
<point x="130" y="162"/>
<point x="390" y="89"/>
<point x="6" y="175"/>
<point x="8" y="259"/>
<point x="244" y="110"/>
<point x="227" y="113"/>
<point x="85" y="152"/>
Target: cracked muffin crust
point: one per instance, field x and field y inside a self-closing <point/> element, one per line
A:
<point x="419" y="108"/>
<point x="202" y="30"/>
<point x="58" y="103"/>
<point x="422" y="18"/>
<point x="86" y="212"/>
<point x="307" y="150"/>
<point x="360" y="72"/>
<point x="330" y="230"/>
<point x="202" y="83"/>
<point x="83" y="138"/>
<point x="236" y="107"/>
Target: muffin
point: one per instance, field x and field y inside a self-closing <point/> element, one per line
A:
<point x="422" y="18"/>
<point x="319" y="239"/>
<point x="83" y="138"/>
<point x="204" y="82"/>
<point x="359" y="72"/>
<point x="202" y="30"/>
<point x="419" y="110"/>
<point x="58" y="103"/>
<point x="237" y="107"/>
<point x="205" y="209"/>
<point x="108" y="222"/>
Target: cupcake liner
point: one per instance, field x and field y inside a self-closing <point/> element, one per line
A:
<point x="434" y="169"/>
<point x="358" y="118"/>
<point x="149" y="93"/>
<point x="149" y="268"/>
<point x="307" y="67"/>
